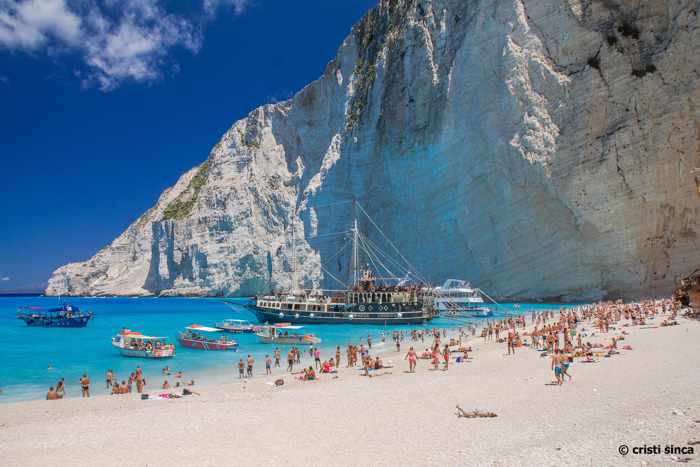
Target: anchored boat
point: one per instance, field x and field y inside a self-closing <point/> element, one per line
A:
<point x="391" y="299"/>
<point x="280" y="334"/>
<point x="66" y="316"/>
<point x="236" y="326"/>
<point x="458" y="298"/>
<point x="134" y="344"/>
<point x="196" y="336"/>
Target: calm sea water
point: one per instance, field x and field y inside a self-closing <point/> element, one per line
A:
<point x="27" y="352"/>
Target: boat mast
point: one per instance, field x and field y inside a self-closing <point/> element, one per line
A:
<point x="354" y="253"/>
<point x="294" y="260"/>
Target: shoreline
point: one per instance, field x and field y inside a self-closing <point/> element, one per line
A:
<point x="212" y="373"/>
<point x="642" y="396"/>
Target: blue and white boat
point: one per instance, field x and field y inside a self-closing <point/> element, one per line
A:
<point x="236" y="326"/>
<point x="66" y="316"/>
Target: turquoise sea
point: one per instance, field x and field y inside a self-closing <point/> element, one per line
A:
<point x="27" y="352"/>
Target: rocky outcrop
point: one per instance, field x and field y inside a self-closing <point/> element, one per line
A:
<point x="539" y="149"/>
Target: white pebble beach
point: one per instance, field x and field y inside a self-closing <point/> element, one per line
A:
<point x="644" y="396"/>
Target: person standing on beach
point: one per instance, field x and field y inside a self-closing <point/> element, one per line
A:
<point x="140" y="382"/>
<point x="556" y="366"/>
<point x="277" y="357"/>
<point x="446" y="357"/>
<point x="241" y="369"/>
<point x="412" y="359"/>
<point x="61" y="388"/>
<point x="337" y="356"/>
<point x="290" y="360"/>
<point x="369" y="341"/>
<point x="268" y="365"/>
<point x="251" y="360"/>
<point x="85" y="385"/>
<point x="511" y="341"/>
<point x="436" y="359"/>
<point x="109" y="377"/>
<point x="317" y="358"/>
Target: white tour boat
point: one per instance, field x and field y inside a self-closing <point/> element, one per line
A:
<point x="457" y="298"/>
<point x="134" y="344"/>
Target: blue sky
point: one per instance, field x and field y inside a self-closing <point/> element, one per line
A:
<point x="104" y="103"/>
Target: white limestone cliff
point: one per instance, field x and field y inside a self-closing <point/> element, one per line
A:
<point x="539" y="149"/>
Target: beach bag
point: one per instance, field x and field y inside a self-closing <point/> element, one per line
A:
<point x="144" y="397"/>
<point x="279" y="382"/>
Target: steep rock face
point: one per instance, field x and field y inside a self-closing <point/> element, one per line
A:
<point x="537" y="148"/>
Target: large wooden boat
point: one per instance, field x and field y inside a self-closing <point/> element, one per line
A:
<point x="66" y="316"/>
<point x="196" y="336"/>
<point x="134" y="344"/>
<point x="384" y="300"/>
<point x="282" y="334"/>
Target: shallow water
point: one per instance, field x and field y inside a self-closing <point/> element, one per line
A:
<point x="27" y="352"/>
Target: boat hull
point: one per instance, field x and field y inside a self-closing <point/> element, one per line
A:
<point x="63" y="322"/>
<point x="290" y="340"/>
<point x="237" y="330"/>
<point x="355" y="317"/>
<point x="206" y="345"/>
<point x="467" y="313"/>
<point x="155" y="354"/>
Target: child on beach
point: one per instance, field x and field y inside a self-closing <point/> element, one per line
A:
<point x="268" y="365"/>
<point x="241" y="369"/>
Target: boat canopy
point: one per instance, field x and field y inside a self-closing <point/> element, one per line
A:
<point x="141" y="337"/>
<point x="199" y="327"/>
<point x="286" y="326"/>
<point x="236" y="321"/>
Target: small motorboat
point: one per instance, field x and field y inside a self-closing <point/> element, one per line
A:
<point x="196" y="336"/>
<point x="134" y="344"/>
<point x="280" y="334"/>
<point x="236" y="326"/>
<point x="66" y="316"/>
